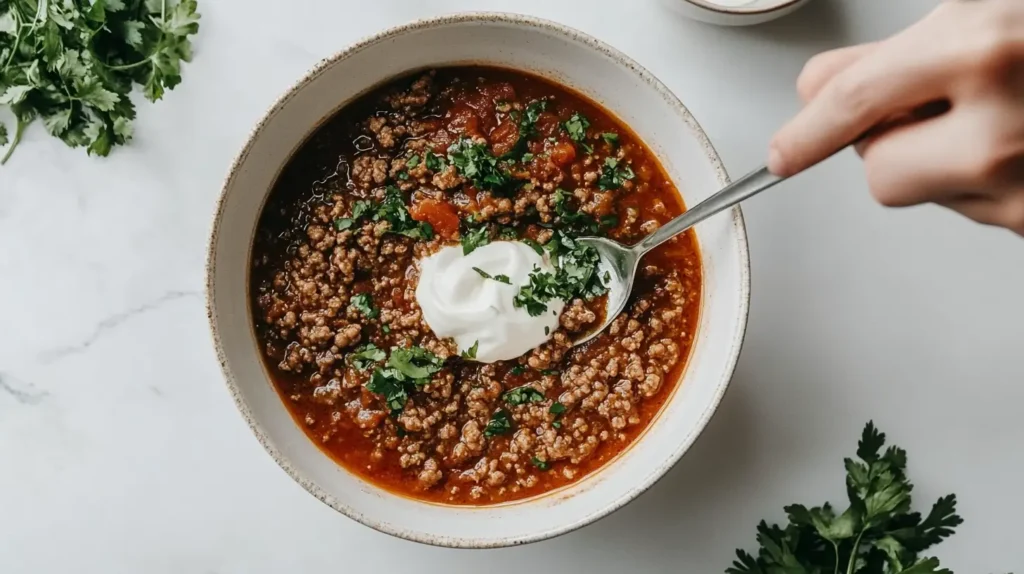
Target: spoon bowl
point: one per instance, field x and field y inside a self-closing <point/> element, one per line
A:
<point x="621" y="262"/>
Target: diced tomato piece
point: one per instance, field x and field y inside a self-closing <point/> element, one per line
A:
<point x="439" y="214"/>
<point x="464" y="121"/>
<point x="504" y="138"/>
<point x="563" y="153"/>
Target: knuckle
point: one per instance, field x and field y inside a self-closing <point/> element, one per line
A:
<point x="990" y="162"/>
<point x="807" y="81"/>
<point x="995" y="41"/>
<point x="853" y="93"/>
<point x="1012" y="213"/>
<point x="882" y="185"/>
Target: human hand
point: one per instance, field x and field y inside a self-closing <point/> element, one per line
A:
<point x="966" y="60"/>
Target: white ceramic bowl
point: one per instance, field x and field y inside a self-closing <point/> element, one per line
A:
<point x="748" y="14"/>
<point x="555" y="52"/>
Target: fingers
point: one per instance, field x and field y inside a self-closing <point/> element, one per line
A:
<point x="896" y="76"/>
<point x="989" y="211"/>
<point x="918" y="162"/>
<point x="823" y="67"/>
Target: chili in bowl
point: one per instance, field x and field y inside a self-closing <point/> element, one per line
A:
<point x="394" y="287"/>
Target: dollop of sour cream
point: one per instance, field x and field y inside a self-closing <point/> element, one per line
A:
<point x="459" y="302"/>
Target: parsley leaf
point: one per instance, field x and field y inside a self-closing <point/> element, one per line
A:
<point x="574" y="222"/>
<point x="475" y="237"/>
<point x="527" y="129"/>
<point x="470" y="353"/>
<point x="390" y="384"/>
<point x="500" y="423"/>
<point x="611" y="138"/>
<point x="361" y="208"/>
<point x="523" y="395"/>
<point x="415" y="363"/>
<point x="613" y="176"/>
<point x="363" y="303"/>
<point x="74" y="64"/>
<point x="413" y="161"/>
<point x="433" y="161"/>
<point x="366" y="355"/>
<point x="576" y="126"/>
<point x="476" y="163"/>
<point x="499" y="278"/>
<point x="393" y="210"/>
<point x="556" y="408"/>
<point x="404" y="371"/>
<point x="877" y="533"/>
<point x="540" y="464"/>
<point x="517" y="370"/>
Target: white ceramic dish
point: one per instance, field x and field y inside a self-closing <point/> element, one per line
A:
<point x="573" y="59"/>
<point x="747" y="14"/>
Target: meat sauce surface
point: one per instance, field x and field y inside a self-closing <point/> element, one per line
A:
<point x="466" y="155"/>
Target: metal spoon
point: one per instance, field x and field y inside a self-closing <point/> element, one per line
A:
<point x="621" y="262"/>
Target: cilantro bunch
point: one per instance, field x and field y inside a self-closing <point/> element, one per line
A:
<point x="877" y="534"/>
<point x="73" y="63"/>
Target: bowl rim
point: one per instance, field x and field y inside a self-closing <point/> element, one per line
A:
<point x="369" y="41"/>
<point x="739" y="10"/>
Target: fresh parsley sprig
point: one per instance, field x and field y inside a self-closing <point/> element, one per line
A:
<point x="878" y="533"/>
<point x="73" y="63"/>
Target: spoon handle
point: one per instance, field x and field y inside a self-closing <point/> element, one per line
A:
<point x="747" y="186"/>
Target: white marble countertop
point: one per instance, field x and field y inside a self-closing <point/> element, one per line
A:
<point x="121" y="451"/>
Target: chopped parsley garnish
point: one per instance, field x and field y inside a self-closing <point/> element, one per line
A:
<point x="405" y="370"/>
<point x="363" y="303"/>
<point x="508" y="233"/>
<point x="576" y="126"/>
<point x="475" y="237"/>
<point x="523" y="395"/>
<point x="556" y="408"/>
<point x="403" y="175"/>
<point x="433" y="161"/>
<point x="575" y="276"/>
<point x="499" y="278"/>
<point x="361" y="208"/>
<point x="393" y="210"/>
<point x="571" y="221"/>
<point x="470" y="353"/>
<point x="415" y="363"/>
<point x="413" y="161"/>
<point x="527" y="129"/>
<point x="367" y="355"/>
<point x="500" y="423"/>
<point x="540" y="464"/>
<point x="517" y="370"/>
<point x="534" y="245"/>
<point x="476" y="163"/>
<point x="389" y="384"/>
<point x="613" y="176"/>
<point x="385" y="328"/>
<point x="611" y="138"/>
